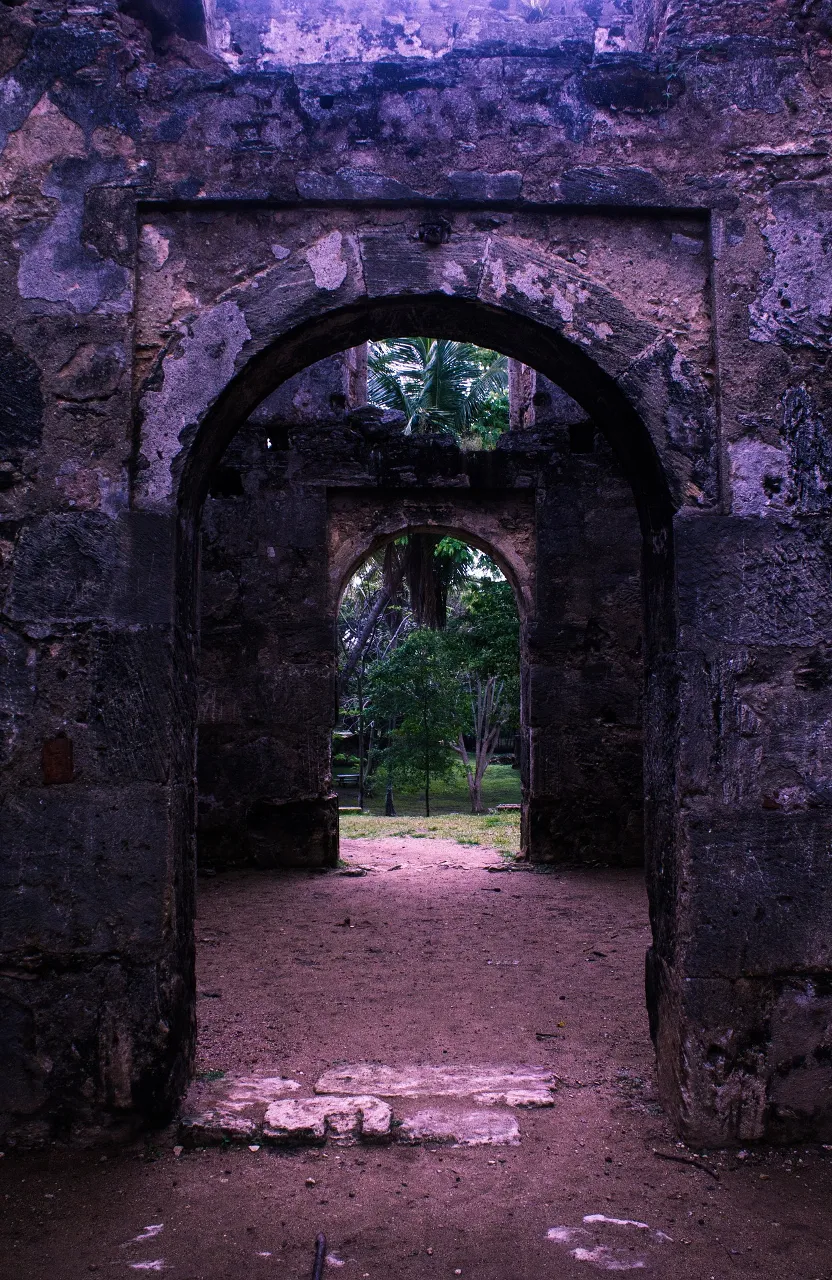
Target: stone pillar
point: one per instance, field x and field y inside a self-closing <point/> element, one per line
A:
<point x="740" y="981"/>
<point x="583" y="654"/>
<point x="96" y="997"/>
<point x="268" y="665"/>
<point x="355" y="376"/>
<point x="522" y="382"/>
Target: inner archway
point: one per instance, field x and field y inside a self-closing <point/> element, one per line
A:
<point x="372" y="486"/>
<point x="429" y="691"/>
<point x="286" y="526"/>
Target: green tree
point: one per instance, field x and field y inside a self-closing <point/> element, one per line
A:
<point x="486" y="638"/>
<point x="441" y="386"/>
<point x="416" y="688"/>
<point x="488" y="627"/>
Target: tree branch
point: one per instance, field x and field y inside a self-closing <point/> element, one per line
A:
<point x="381" y="602"/>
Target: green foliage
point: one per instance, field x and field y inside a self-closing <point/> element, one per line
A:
<point x="486" y="632"/>
<point x="416" y="690"/>
<point x="442" y="386"/>
<point x="492" y="418"/>
<point x="344" y="763"/>
<point x="488" y="627"/>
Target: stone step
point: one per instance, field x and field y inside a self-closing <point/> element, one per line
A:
<point x="298" y="1121"/>
<point x="345" y="1121"/>
<point x="489" y="1086"/>
<point x="473" y="1128"/>
<point x="349" y="1105"/>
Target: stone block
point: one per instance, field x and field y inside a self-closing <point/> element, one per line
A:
<point x="612" y="185"/>
<point x="461" y="1128"/>
<point x="468" y="184"/>
<point x="753" y="581"/>
<point x="85" y="871"/>
<point x="755" y="1065"/>
<point x="294" y="833"/>
<point x="86" y="566"/>
<point x="17" y="690"/>
<point x="509" y="1086"/>
<point x="313" y="1120"/>
<point x="758" y="894"/>
<point x="231" y="1109"/>
<point x="96" y="1047"/>
<point x="21" y="401"/>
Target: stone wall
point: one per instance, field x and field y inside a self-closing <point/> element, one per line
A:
<point x="648" y="227"/>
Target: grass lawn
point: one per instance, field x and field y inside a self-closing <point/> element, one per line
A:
<point x="450" y="818"/>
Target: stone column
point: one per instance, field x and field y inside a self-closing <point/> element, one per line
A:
<point x="268" y="664"/>
<point x="355" y="376"/>
<point x="740" y="982"/>
<point x="96" y="929"/>
<point x="583" y="688"/>
<point x="522" y="382"/>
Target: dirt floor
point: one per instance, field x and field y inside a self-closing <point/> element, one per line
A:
<point x="428" y="958"/>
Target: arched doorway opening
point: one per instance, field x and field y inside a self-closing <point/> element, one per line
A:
<point x="429" y="614"/>
<point x="314" y="484"/>
<point x="599" y="365"/>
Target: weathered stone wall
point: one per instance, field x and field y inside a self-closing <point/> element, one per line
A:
<point x="649" y="228"/>
<point x="302" y="496"/>
<point x="267" y="665"/>
<point x="268" y="34"/>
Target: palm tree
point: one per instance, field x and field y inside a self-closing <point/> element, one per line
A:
<point x="441" y="386"/>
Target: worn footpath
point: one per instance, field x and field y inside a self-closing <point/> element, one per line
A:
<point x="442" y="981"/>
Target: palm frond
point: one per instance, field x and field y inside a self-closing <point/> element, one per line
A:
<point x="439" y="384"/>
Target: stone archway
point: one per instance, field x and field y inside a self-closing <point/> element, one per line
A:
<point x="310" y="284"/>
<point x="350" y="284"/>
<point x="307" y="235"/>
<point x="306" y="491"/>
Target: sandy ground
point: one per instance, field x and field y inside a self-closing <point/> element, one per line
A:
<point x="428" y="958"/>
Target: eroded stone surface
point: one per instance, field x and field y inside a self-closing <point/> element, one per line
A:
<point x="217" y="1126"/>
<point x="510" y="1086"/>
<point x="231" y="1109"/>
<point x="481" y="1128"/>
<point x="244" y="1108"/>
<point x="344" y="1120"/>
<point x="712" y="290"/>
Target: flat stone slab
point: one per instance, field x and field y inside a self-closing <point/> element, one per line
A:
<point x="482" y="1128"/>
<point x="489" y="1086"/>
<point x="210" y="1127"/>
<point x="295" y="1121"/>
<point x="349" y="1107"/>
<point x="231" y="1109"/>
<point x="239" y="1092"/>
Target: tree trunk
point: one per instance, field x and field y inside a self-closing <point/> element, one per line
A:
<point x="425" y="595"/>
<point x="474" y="792"/>
<point x="361" y="736"/>
<point x="381" y="602"/>
<point x="486" y="734"/>
<point x="427" y="759"/>
<point x="389" y="807"/>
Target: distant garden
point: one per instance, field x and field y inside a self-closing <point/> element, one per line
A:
<point x="428" y="629"/>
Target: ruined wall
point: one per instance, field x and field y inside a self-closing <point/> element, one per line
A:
<point x="268" y="34"/>
<point x="267" y="663"/>
<point x="306" y="490"/>
<point x="650" y="227"/>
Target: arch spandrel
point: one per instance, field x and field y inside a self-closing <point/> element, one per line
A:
<point x="335" y="288"/>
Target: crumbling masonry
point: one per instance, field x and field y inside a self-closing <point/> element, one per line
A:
<point x="631" y="197"/>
